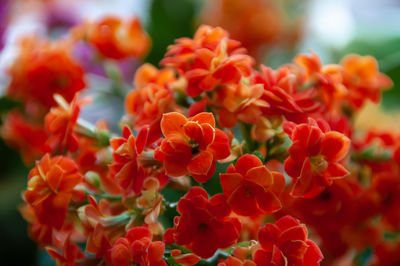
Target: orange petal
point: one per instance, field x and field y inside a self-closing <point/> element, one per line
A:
<point x="172" y="123"/>
<point x="204" y="118"/>
<point x="335" y="146"/>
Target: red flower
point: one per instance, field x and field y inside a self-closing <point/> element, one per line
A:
<point x="204" y="225"/>
<point x="118" y="39"/>
<point x="69" y="256"/>
<point x="286" y="243"/>
<point x="314" y="157"/>
<point x="137" y="247"/>
<point x="251" y="188"/>
<point x="61" y="121"/>
<point x="283" y="96"/>
<point x="42" y="70"/>
<point x="28" y="138"/>
<point x="386" y="254"/>
<point x="385" y="189"/>
<point x="191" y="146"/>
<point x="51" y="187"/>
<point x="125" y="167"/>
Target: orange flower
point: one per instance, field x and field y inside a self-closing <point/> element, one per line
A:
<point x="239" y="102"/>
<point x="104" y="223"/>
<point x="207" y="66"/>
<point x="363" y="79"/>
<point x="327" y="79"/>
<point x="41" y="70"/>
<point x="191" y="146"/>
<point x="152" y="96"/>
<point x="251" y="188"/>
<point x="118" y="39"/>
<point x="51" y="187"/>
<point x="257" y="24"/>
<point x="181" y="54"/>
<point x="137" y="246"/>
<point x="61" y="121"/>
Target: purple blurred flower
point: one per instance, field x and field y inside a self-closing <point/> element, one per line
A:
<point x="91" y="62"/>
<point x="4" y="8"/>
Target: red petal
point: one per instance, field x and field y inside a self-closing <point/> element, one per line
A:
<point x="206" y="177"/>
<point x="293" y="167"/>
<point x="286" y="222"/>
<point x="294" y="233"/>
<point x="268" y="236"/>
<point x="156" y="251"/>
<point x="219" y="206"/>
<point x="260" y="175"/>
<point x="141" y="139"/>
<point x="138" y="233"/>
<point x="279" y="183"/>
<point x="208" y="133"/>
<point x="268" y="202"/>
<point x="69" y="182"/>
<point x="313" y="254"/>
<point x="193" y="131"/>
<point x="246" y="162"/>
<point x="220" y="147"/>
<point x="197" y="108"/>
<point x="175" y="164"/>
<point x="304" y="182"/>
<point x="335" y="171"/>
<point x="243" y="201"/>
<point x="335" y="146"/>
<point x="201" y="163"/>
<point x="230" y="182"/>
<point x="54" y="177"/>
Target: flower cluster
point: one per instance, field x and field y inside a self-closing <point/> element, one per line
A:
<point x="219" y="161"/>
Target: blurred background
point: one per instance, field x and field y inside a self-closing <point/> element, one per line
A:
<point x="273" y="31"/>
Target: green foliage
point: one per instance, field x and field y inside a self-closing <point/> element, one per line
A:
<point x="6" y="105"/>
<point x="169" y="20"/>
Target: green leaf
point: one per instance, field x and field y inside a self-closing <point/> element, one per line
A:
<point x="7" y="104"/>
<point x="363" y="258"/>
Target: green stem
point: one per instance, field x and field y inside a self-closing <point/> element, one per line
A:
<point x="214" y="259"/>
<point x="247" y="137"/>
